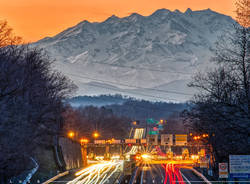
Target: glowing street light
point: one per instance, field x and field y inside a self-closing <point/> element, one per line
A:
<point x="96" y="135"/>
<point x="196" y="138"/>
<point x="71" y="134"/>
<point x="205" y="135"/>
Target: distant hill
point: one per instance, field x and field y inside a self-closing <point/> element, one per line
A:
<point x="130" y="107"/>
<point x="97" y="101"/>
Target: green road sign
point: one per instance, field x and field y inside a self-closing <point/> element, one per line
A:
<point x="152" y="121"/>
<point x="153" y="132"/>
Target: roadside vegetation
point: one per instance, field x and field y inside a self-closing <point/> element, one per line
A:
<point x="31" y="103"/>
<point x="222" y="106"/>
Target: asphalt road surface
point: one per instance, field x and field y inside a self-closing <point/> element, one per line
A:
<point x="166" y="174"/>
<point x="146" y="174"/>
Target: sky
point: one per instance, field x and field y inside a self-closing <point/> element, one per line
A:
<point x="36" y="19"/>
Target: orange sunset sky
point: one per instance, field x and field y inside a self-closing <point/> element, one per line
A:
<point x="35" y="19"/>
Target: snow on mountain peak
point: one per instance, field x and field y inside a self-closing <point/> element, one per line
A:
<point x="137" y="52"/>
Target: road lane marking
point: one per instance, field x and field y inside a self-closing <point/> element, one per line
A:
<point x="142" y="173"/>
<point x="185" y="178"/>
<point x="201" y="175"/>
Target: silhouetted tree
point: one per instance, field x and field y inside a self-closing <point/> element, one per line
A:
<point x="222" y="107"/>
<point x="31" y="106"/>
<point x="6" y="35"/>
<point x="86" y="120"/>
<point x="243" y="12"/>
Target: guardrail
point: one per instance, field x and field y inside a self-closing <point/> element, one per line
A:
<point x="56" y="177"/>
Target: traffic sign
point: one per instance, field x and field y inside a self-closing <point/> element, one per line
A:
<point x="181" y="139"/>
<point x="160" y="127"/>
<point x="130" y="141"/>
<point x="239" y="166"/>
<point x="155" y="128"/>
<point x="100" y="142"/>
<point x="150" y="121"/>
<point x="203" y="162"/>
<point x="115" y="141"/>
<point x="143" y="141"/>
<point x="152" y="139"/>
<point x="153" y="132"/>
<point x="223" y="170"/>
<point x="167" y="139"/>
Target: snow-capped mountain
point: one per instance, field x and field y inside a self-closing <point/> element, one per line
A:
<point x="151" y="57"/>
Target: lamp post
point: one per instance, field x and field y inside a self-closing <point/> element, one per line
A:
<point x="71" y="134"/>
<point x="84" y="143"/>
<point x="96" y="135"/>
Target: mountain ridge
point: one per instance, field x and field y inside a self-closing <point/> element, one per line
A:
<point x="145" y="51"/>
<point x="187" y="11"/>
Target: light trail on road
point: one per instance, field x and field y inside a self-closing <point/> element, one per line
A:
<point x="164" y="173"/>
<point x="172" y="174"/>
<point x="97" y="173"/>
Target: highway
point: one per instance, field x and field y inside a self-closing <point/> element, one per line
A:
<point x="166" y="174"/>
<point x="103" y="172"/>
<point x="108" y="173"/>
<point x="148" y="171"/>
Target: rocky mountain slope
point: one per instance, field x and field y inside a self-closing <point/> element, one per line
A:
<point x="150" y="57"/>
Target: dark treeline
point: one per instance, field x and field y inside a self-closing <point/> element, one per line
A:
<point x="142" y="110"/>
<point x="222" y="108"/>
<point x="130" y="107"/>
<point x="114" y="120"/>
<point x="31" y="103"/>
<point x="99" y="101"/>
<point x="84" y="121"/>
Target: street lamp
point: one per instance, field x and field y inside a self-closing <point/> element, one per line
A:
<point x="96" y="135"/>
<point x="71" y="134"/>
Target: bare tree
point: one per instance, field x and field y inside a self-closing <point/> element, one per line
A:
<point x="85" y="121"/>
<point x="243" y="12"/>
<point x="6" y="35"/>
<point x="222" y="106"/>
<point x="31" y="103"/>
